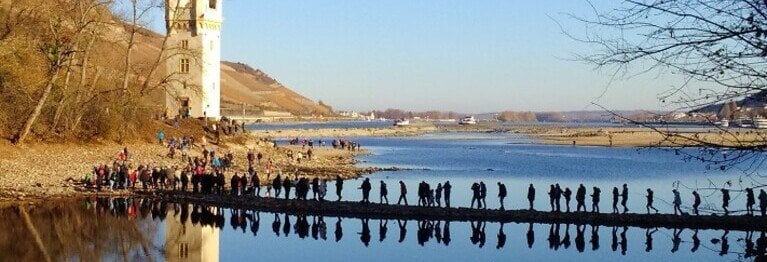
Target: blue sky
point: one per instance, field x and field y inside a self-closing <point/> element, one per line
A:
<point x="466" y="56"/>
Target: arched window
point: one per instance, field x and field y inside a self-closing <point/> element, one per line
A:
<point x="212" y="4"/>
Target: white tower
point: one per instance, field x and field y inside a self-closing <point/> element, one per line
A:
<point x="193" y="57"/>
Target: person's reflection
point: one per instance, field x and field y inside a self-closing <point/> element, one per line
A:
<point x="725" y="244"/>
<point x="614" y="245"/>
<point x="530" y="236"/>
<point x="438" y="232"/>
<point x="594" y="237"/>
<point x="624" y="242"/>
<point x="761" y="247"/>
<point x="286" y="226"/>
<point x="402" y="229"/>
<point x="566" y="238"/>
<point x="163" y="210"/>
<point x="233" y="219"/>
<point x="446" y="233"/>
<point x="339" y="232"/>
<point x="323" y="227"/>
<point x="676" y="240"/>
<point x="749" y="244"/>
<point x="302" y="226"/>
<point x="580" y="241"/>
<point x="219" y="217"/>
<point x="482" y="235"/>
<point x="195" y="216"/>
<point x="255" y="221"/>
<point x="695" y="241"/>
<point x="184" y="213"/>
<point x="648" y="238"/>
<point x="365" y="234"/>
<point x="382" y="228"/>
<point x="276" y="224"/>
<point x="315" y="228"/>
<point x="423" y="232"/>
<point x="554" y="237"/>
<point x="501" y="237"/>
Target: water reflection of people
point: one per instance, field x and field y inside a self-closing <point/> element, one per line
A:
<point x="530" y="236"/>
<point x="554" y="237"/>
<point x="676" y="240"/>
<point x="438" y="232"/>
<point x="594" y="237"/>
<point x="478" y="233"/>
<point x="365" y="234"/>
<point x="501" y="237"/>
<point x="446" y="230"/>
<point x="648" y="238"/>
<point x="255" y="222"/>
<point x="286" y="226"/>
<point x="339" y="232"/>
<point x="276" y="224"/>
<point x="301" y="227"/>
<point x="695" y="242"/>
<point x="624" y="241"/>
<point x="382" y="229"/>
<point x="614" y="245"/>
<point x="402" y="229"/>
<point x="580" y="242"/>
<point x="566" y="238"/>
<point x="425" y="229"/>
<point x="725" y="244"/>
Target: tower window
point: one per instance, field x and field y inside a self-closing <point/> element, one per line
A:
<point x="212" y="4"/>
<point x="184" y="65"/>
<point x="184" y="44"/>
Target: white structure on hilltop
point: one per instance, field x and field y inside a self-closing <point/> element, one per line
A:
<point x="193" y="58"/>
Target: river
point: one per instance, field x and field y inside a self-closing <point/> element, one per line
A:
<point x="138" y="229"/>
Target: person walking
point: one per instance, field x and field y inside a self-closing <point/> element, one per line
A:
<point x="750" y="201"/>
<point x="483" y="194"/>
<point x="365" y="190"/>
<point x="558" y="197"/>
<point x="725" y="200"/>
<point x="625" y="198"/>
<point x="580" y="198"/>
<point x="277" y="185"/>
<point x="615" y="200"/>
<point x="531" y="196"/>
<point x="339" y="186"/>
<point x="567" y="195"/>
<point x="762" y="202"/>
<point x="287" y="184"/>
<point x="384" y="193"/>
<point x="552" y="197"/>
<point x="446" y="188"/>
<point x="595" y="200"/>
<point x="650" y="199"/>
<point x="677" y="202"/>
<point x="438" y="195"/>
<point x="501" y="193"/>
<point x="402" y="193"/>
<point x="695" y="202"/>
<point x="475" y="195"/>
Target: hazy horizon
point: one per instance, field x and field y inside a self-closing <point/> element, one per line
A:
<point x="469" y="57"/>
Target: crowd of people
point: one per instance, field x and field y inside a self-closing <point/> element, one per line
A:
<point x="206" y="174"/>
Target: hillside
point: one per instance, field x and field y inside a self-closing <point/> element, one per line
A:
<point x="243" y="84"/>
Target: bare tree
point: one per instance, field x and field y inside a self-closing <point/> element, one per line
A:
<point x="722" y="44"/>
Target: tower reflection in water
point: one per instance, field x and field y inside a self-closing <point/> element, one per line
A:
<point x="185" y="241"/>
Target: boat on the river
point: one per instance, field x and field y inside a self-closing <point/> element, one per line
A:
<point x="759" y="122"/>
<point x="468" y="120"/>
<point x="401" y="122"/>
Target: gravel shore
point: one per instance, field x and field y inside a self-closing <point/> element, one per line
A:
<point x="54" y="170"/>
